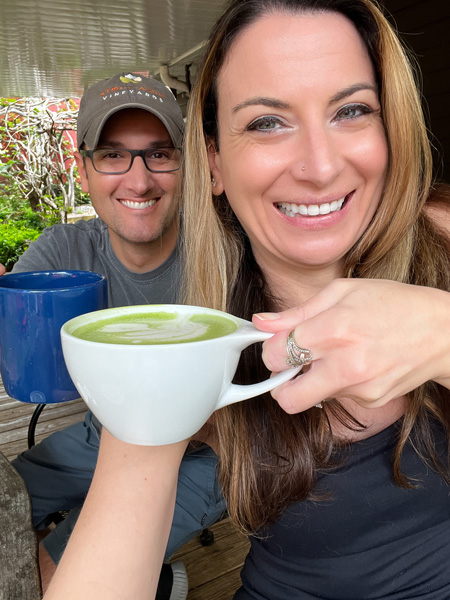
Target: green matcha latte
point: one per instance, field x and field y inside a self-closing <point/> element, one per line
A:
<point x="156" y="328"/>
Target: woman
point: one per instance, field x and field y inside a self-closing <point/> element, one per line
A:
<point x="306" y="127"/>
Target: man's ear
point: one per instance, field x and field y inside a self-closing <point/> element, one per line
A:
<point x="80" y="162"/>
<point x="214" y="165"/>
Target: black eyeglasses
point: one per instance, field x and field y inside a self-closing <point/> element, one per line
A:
<point x="115" y="161"/>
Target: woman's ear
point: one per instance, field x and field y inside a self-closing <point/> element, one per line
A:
<point x="79" y="160"/>
<point x="214" y="166"/>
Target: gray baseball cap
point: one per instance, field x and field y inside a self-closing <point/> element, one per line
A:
<point x="126" y="90"/>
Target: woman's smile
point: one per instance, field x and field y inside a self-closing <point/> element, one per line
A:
<point x="311" y="210"/>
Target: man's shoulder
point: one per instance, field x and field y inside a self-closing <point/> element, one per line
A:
<point x="66" y="246"/>
<point x="92" y="227"/>
<point x="81" y="226"/>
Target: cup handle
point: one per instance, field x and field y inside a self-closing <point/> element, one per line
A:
<point x="236" y="393"/>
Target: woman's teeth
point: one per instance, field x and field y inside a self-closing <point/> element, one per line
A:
<point x="310" y="210"/>
<point x="138" y="205"/>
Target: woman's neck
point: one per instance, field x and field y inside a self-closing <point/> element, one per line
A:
<point x="374" y="420"/>
<point x="293" y="285"/>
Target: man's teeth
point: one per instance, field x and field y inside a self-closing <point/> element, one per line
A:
<point x="138" y="205"/>
<point x="310" y="210"/>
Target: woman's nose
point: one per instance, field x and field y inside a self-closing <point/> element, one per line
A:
<point x="319" y="158"/>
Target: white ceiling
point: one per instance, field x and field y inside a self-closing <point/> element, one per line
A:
<point x="56" y="48"/>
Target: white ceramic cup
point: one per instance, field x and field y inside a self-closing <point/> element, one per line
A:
<point x="156" y="394"/>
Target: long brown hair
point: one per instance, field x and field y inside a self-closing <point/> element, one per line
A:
<point x="269" y="459"/>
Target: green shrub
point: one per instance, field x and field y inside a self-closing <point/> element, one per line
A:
<point x="14" y="240"/>
<point x="19" y="223"/>
<point x="15" y="208"/>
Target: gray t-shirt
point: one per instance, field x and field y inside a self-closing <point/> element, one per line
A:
<point x="85" y="246"/>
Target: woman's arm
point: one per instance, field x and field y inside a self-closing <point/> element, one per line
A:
<point x="117" y="547"/>
<point x="371" y="340"/>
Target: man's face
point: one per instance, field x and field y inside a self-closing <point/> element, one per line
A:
<point x="138" y="207"/>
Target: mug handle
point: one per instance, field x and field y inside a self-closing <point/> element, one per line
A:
<point x="236" y="393"/>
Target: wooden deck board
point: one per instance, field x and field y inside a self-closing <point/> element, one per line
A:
<point x="15" y="418"/>
<point x="213" y="571"/>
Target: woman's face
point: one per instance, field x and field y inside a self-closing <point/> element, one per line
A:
<point x="302" y="151"/>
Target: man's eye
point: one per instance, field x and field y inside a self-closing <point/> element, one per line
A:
<point x="110" y="155"/>
<point x="162" y="154"/>
<point x="264" y="124"/>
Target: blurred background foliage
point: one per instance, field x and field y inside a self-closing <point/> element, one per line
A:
<point x="38" y="178"/>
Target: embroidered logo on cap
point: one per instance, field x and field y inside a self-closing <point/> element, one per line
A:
<point x="130" y="78"/>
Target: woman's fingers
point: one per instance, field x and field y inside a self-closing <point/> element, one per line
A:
<point x="273" y="322"/>
<point x="288" y="319"/>
<point x="324" y="380"/>
<point x="371" y="341"/>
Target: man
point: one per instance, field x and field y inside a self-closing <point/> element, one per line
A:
<point x="129" y="136"/>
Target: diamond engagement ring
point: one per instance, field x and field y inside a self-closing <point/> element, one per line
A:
<point x="297" y="357"/>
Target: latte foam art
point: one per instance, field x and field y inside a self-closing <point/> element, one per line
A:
<point x="157" y="327"/>
<point x="157" y="332"/>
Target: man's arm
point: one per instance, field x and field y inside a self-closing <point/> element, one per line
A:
<point x="117" y="547"/>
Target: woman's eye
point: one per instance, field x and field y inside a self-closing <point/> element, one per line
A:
<point x="353" y="111"/>
<point x="264" y="124"/>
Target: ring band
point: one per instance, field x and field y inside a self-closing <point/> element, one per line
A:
<point x="297" y="357"/>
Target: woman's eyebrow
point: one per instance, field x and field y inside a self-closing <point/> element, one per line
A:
<point x="261" y="101"/>
<point x="275" y="103"/>
<point x="348" y="91"/>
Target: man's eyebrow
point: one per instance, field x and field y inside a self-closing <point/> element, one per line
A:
<point x="109" y="144"/>
<point x="353" y="89"/>
<point x="116" y="144"/>
<point x="261" y="101"/>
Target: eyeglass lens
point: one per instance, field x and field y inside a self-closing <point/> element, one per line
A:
<point x="107" y="160"/>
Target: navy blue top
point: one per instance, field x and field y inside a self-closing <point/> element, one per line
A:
<point x="371" y="540"/>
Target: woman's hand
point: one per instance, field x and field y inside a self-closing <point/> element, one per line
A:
<point x="2" y="270"/>
<point x="371" y="341"/>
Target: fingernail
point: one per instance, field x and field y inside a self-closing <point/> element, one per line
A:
<point x="267" y="316"/>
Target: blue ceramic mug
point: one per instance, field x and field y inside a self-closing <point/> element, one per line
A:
<point x="33" y="308"/>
